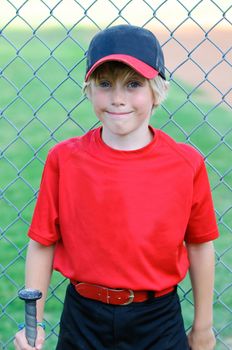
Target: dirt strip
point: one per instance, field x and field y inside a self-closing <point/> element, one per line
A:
<point x="197" y="59"/>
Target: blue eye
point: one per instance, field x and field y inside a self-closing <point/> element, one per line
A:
<point x="104" y="84"/>
<point x="134" y="84"/>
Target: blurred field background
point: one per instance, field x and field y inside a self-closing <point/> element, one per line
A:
<point x="41" y="103"/>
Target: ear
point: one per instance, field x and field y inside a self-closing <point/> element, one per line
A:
<point x="154" y="97"/>
<point x="88" y="94"/>
<point x="154" y="100"/>
<point x="87" y="90"/>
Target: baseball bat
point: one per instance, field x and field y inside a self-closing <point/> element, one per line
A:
<point x="30" y="296"/>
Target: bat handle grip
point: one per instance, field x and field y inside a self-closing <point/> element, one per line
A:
<point x="30" y="322"/>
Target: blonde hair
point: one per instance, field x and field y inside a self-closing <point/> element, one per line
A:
<point x="118" y="70"/>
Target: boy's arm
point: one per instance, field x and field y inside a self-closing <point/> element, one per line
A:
<point x="201" y="257"/>
<point x="39" y="263"/>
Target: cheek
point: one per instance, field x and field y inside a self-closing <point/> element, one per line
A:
<point x="99" y="104"/>
<point x="96" y="108"/>
<point x="99" y="99"/>
<point x="144" y="102"/>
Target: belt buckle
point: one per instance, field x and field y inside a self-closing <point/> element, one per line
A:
<point x="131" y="297"/>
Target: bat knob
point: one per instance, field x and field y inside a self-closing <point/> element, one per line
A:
<point x="29" y="294"/>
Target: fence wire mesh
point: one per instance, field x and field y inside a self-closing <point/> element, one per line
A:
<point x="42" y="62"/>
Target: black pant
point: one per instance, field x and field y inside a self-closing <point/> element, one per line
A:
<point x="155" y="324"/>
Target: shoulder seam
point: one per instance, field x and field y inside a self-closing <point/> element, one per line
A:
<point x="54" y="151"/>
<point x="166" y="140"/>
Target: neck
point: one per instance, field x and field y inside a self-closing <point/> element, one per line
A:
<point x="139" y="138"/>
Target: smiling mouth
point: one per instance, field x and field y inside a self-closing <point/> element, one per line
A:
<point x="118" y="114"/>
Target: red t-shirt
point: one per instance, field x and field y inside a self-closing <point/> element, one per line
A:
<point x="121" y="218"/>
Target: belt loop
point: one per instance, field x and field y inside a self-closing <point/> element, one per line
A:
<point x="151" y="294"/>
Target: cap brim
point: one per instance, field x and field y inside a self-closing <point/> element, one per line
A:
<point x="139" y="66"/>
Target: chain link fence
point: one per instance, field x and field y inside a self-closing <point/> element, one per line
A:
<point x="42" y="49"/>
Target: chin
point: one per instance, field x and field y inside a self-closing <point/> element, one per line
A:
<point x="121" y="131"/>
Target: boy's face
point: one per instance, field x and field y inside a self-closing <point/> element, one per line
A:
<point x="122" y="105"/>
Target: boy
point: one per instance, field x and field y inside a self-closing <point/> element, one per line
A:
<point x="123" y="212"/>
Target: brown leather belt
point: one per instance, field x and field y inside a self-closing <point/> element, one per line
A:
<point x="115" y="296"/>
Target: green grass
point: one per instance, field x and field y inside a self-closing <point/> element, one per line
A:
<point x="42" y="103"/>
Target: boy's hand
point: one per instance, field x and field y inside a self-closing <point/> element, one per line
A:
<point x="201" y="339"/>
<point x="21" y="343"/>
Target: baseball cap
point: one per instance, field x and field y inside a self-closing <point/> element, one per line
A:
<point x="135" y="46"/>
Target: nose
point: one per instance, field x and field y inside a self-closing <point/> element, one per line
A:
<point x="118" y="96"/>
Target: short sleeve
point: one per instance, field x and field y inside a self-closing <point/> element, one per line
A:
<point x="202" y="226"/>
<point x="44" y="227"/>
